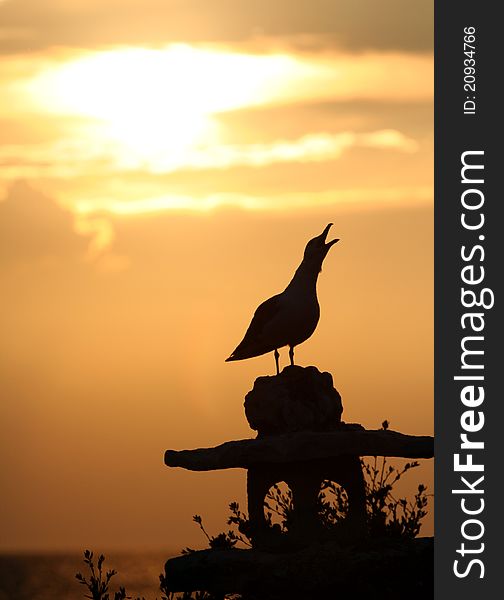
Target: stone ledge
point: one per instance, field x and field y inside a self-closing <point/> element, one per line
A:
<point x="374" y="569"/>
<point x="302" y="446"/>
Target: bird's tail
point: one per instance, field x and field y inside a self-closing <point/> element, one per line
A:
<point x="244" y="351"/>
<point x="235" y="356"/>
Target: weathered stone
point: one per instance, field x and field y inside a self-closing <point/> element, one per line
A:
<point x="378" y="569"/>
<point x="298" y="399"/>
<point x="304" y="445"/>
<point x="305" y="480"/>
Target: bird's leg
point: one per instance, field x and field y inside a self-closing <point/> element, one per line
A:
<point x="291" y="355"/>
<point x="277" y="356"/>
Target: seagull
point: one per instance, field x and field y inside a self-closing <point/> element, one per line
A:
<point x="289" y="318"/>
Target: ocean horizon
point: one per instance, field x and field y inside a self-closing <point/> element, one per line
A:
<point x="51" y="575"/>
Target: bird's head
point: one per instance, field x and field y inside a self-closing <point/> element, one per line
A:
<point x="317" y="248"/>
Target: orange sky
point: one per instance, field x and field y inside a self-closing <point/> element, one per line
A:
<point x="162" y="166"/>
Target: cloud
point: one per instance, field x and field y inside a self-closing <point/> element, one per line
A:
<point x="357" y="197"/>
<point x="34" y="228"/>
<point x="315" y="147"/>
<point x="67" y="159"/>
<point x="123" y="85"/>
<point x="316" y="24"/>
<point x="118" y="109"/>
<point x="413" y="118"/>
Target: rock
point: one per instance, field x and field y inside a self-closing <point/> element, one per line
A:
<point x="298" y="399"/>
<point x="303" y="445"/>
<point x="385" y="569"/>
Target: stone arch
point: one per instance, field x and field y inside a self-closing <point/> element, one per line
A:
<point x="304" y="479"/>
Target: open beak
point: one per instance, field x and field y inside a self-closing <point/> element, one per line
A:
<point x="323" y="237"/>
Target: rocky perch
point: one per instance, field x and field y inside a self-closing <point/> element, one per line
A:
<point x="299" y="399"/>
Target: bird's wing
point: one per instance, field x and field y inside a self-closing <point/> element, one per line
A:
<point x="264" y="313"/>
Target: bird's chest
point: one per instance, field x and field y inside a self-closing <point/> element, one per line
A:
<point x="298" y="318"/>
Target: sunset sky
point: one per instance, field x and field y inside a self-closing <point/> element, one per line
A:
<point x="162" y="165"/>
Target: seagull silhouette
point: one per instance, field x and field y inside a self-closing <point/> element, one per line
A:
<point x="289" y="318"/>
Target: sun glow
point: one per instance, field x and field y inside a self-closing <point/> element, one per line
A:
<point x="157" y="105"/>
<point x="160" y="110"/>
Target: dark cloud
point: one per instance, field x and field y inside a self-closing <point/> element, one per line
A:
<point x="27" y="25"/>
<point x="34" y="227"/>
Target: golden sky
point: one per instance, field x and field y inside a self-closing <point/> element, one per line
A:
<point x="162" y="165"/>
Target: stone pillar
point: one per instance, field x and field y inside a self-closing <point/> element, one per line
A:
<point x="300" y="399"/>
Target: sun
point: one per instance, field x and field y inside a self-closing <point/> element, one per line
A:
<point x="155" y="106"/>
